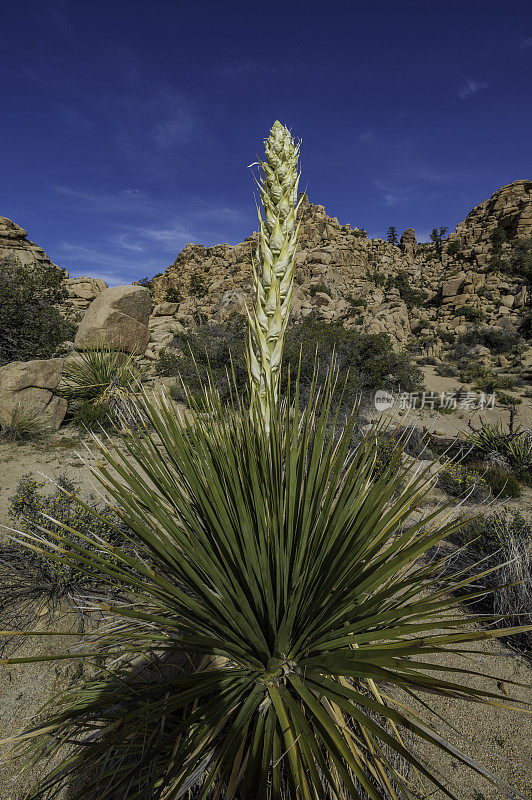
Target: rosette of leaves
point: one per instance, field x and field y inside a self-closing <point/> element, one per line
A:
<point x="287" y="585"/>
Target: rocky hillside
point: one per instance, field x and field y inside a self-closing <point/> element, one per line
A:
<point x="366" y="283"/>
<point x="427" y="292"/>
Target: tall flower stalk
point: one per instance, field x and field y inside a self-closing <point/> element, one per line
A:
<point x="273" y="266"/>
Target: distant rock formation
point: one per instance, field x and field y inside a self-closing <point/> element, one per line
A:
<point x="341" y="275"/>
<point x="509" y="208"/>
<point x="409" y="242"/>
<point x="14" y="243"/>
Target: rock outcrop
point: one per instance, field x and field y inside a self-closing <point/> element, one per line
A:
<point x="14" y="243"/>
<point x="28" y="386"/>
<point x="343" y="275"/>
<point x="340" y="275"/>
<point x="509" y="208"/>
<point x="409" y="242"/>
<point x="117" y="318"/>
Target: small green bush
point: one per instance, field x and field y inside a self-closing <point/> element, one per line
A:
<point x="470" y="313"/>
<point x="458" y="480"/>
<point x="446" y="370"/>
<point x="497" y="340"/>
<point x="514" y="446"/>
<point x="400" y="281"/>
<point x="520" y="262"/>
<point x="502" y="483"/>
<point x="314" y="288"/>
<point x="489" y="532"/>
<point x="101" y="384"/>
<point x="31" y="325"/>
<point x="454" y="248"/>
<point x="173" y="295"/>
<point x="198" y="287"/>
<point x="504" y="539"/>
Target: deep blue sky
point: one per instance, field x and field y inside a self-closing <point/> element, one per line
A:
<point x="127" y="127"/>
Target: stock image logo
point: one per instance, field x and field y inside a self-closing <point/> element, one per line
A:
<point x="434" y="401"/>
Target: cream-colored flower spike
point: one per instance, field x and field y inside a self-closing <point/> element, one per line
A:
<point x="273" y="267"/>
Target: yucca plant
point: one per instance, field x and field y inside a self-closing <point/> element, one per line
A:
<point x="104" y="379"/>
<point x="287" y="590"/>
<point x="281" y="610"/>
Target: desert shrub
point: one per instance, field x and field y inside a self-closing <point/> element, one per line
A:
<point x="489" y="381"/>
<point x="206" y="352"/>
<point x="520" y="259"/>
<point x="365" y="363"/>
<point x="498" y="238"/>
<point x="173" y="295"/>
<point x="358" y="302"/>
<point x="446" y="370"/>
<point x="32" y="579"/>
<point x="400" y="281"/>
<point x="504" y="539"/>
<point x="101" y="383"/>
<point x="501" y="482"/>
<point x="497" y="340"/>
<point x="525" y="326"/>
<point x="454" y="248"/>
<point x="31" y="326"/>
<point x="470" y="313"/>
<point x="21" y="423"/>
<point x="391" y="444"/>
<point x="314" y="288"/>
<point x="458" y="480"/>
<point x="377" y="276"/>
<point x="197" y="287"/>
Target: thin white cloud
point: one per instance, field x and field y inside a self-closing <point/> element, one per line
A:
<point x="525" y="43"/>
<point x="125" y="200"/>
<point x="470" y="88"/>
<point x="75" y="119"/>
<point x="366" y="136"/>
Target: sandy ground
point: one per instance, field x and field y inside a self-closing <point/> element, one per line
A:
<point x="501" y="740"/>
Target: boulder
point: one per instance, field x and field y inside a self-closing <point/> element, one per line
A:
<point x="451" y="287"/>
<point x="117" y="318"/>
<point x="409" y="242"/>
<point x="29" y="386"/>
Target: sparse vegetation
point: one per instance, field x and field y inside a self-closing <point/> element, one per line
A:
<point x="32" y="579"/>
<point x="198" y="287"/>
<point x="504" y="537"/>
<point x="400" y="281"/>
<point x="498" y="340"/>
<point x="513" y="446"/>
<point x="470" y="313"/>
<point x="454" y="249"/>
